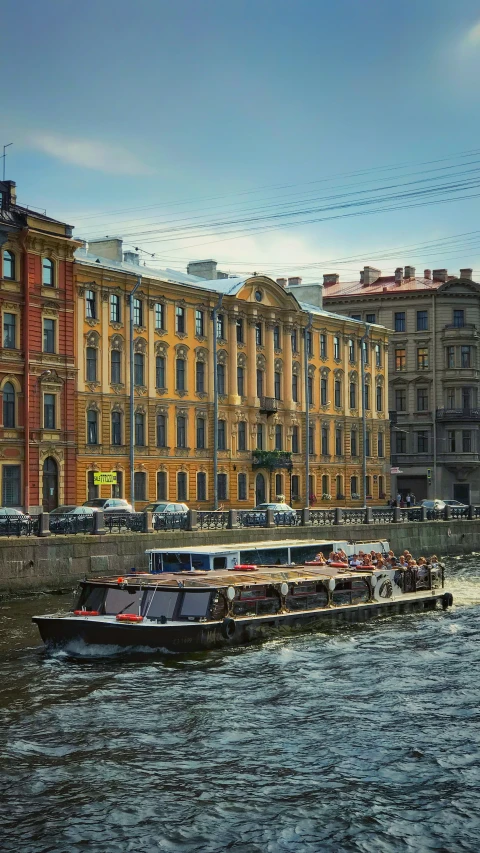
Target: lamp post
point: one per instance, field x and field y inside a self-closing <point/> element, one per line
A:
<point x="132" y="398"/>
<point x="307" y="411"/>
<point x="215" y="403"/>
<point x="363" y="344"/>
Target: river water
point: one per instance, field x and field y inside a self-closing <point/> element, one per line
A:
<point x="362" y="739"/>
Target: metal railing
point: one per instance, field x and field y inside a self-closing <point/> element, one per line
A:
<point x="70" y="523"/>
<point x="215" y="520"/>
<point x="18" y="525"/>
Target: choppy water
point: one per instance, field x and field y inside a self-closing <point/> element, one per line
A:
<point x="363" y="739"/>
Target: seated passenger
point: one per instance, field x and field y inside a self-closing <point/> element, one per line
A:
<point x="319" y="558"/>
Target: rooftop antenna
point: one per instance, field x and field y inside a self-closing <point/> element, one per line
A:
<point x="4" y="155"/>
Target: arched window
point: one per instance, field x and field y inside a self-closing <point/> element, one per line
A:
<point x="339" y="486"/>
<point x="91" y="364"/>
<point x="259" y="436"/>
<point x="115" y="367"/>
<point x="200" y="377"/>
<point x="200" y="433"/>
<point x="379" y="398"/>
<point x="221" y="433"/>
<point x="8" y="405"/>
<point x="161" y="430"/>
<point x="182" y="486"/>
<point x="92" y="427"/>
<point x="47" y="272"/>
<point x="353" y="395"/>
<point x="278" y="385"/>
<point x="138" y="368"/>
<point x="90" y="305"/>
<point x="116" y="428"/>
<point x="242" y="435"/>
<point x="240" y="381"/>
<point x="181" y="431"/>
<point x="325" y="485"/>
<point x="353" y="486"/>
<point x="278" y="437"/>
<point x="8" y="265"/>
<point x="139" y="429"/>
<point x="295" y="388"/>
<point x="160" y="371"/>
<point x="337" y="393"/>
<point x="259" y="382"/>
<point x="242" y="487"/>
<point x="201" y="486"/>
<point x="140" y="486"/>
<point x="221" y="378"/>
<point x="180" y="374"/>
<point x="114" y="308"/>
<point x="161" y="485"/>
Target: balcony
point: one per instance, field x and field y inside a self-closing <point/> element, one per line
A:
<point x="272" y="459"/>
<point x="458" y="414"/>
<point x="268" y="405"/>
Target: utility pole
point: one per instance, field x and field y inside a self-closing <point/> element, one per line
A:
<point x="5" y="156"/>
<point x="132" y="398"/>
<point x="364" y="343"/>
<point x="215" y="403"/>
<point x="307" y="410"/>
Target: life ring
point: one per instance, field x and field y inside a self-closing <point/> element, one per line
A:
<point x="447" y="600"/>
<point x="128" y="617"/>
<point x="246" y="567"/>
<point x="339" y="565"/>
<point x="316" y="563"/>
<point x="229" y="628"/>
<point x="85" y="612"/>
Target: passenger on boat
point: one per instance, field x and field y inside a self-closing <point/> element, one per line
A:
<point x="434" y="561"/>
<point x="320" y="559"/>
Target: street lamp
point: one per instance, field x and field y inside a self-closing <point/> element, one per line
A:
<point x="132" y="398"/>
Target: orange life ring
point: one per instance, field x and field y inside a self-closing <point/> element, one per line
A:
<point x="315" y="563"/>
<point x="128" y="617"/>
<point x="339" y="565"/>
<point x="85" y="613"/>
<point x="244" y="568"/>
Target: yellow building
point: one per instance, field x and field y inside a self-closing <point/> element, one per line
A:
<point x="260" y="338"/>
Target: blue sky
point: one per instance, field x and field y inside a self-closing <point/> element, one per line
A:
<point x="127" y="117"/>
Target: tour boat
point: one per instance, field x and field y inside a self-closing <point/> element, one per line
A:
<point x="194" y="610"/>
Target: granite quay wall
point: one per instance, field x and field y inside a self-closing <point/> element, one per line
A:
<point x="30" y="564"/>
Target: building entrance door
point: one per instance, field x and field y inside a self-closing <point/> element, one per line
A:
<point x="461" y="492"/>
<point x="260" y="496"/>
<point x="50" y="484"/>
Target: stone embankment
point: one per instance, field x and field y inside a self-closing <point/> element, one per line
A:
<point x="29" y="564"/>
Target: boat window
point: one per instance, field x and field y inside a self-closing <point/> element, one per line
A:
<point x="219" y="563"/>
<point x="195" y="604"/>
<point x="160" y="602"/>
<point x="173" y="562"/>
<point x="255" y="592"/>
<point x="90" y="598"/>
<point x="264" y="557"/>
<point x="122" y="601"/>
<point x="360" y="591"/>
<point x="308" y="552"/>
<point x="201" y="562"/>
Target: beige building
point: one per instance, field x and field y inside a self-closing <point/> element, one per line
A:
<point x="434" y="362"/>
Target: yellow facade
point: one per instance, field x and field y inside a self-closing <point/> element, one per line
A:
<point x="260" y="342"/>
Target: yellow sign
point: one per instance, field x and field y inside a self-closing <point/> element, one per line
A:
<point x="105" y="479"/>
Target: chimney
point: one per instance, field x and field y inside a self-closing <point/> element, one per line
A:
<point x="132" y="258"/>
<point x="203" y="269"/>
<point x="409" y="272"/>
<point x="294" y="281"/>
<point x="8" y="190"/>
<point x="311" y="293"/>
<point x="440" y="275"/>
<point x="427" y="274"/>
<point x="110" y="248"/>
<point x="370" y="275"/>
<point x="398" y="275"/>
<point x="282" y="282"/>
<point x="330" y="278"/>
<point x="466" y="273"/>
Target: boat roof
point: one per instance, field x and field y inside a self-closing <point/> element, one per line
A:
<point x="245" y="546"/>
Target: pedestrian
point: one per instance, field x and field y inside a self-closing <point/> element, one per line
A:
<point x="408" y="500"/>
<point x="413" y="499"/>
<point x="399" y="499"/>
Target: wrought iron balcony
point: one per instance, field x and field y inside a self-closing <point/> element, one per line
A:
<point x="458" y="414"/>
<point x="268" y="405"/>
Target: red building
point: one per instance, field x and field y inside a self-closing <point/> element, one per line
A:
<point x="37" y="365"/>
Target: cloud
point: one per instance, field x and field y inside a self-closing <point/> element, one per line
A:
<point x="472" y="36"/>
<point x="89" y="154"/>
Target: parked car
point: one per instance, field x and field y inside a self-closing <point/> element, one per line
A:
<point x="435" y="503"/>
<point x="112" y="506"/>
<point x="456" y="503"/>
<point x="282" y="514"/>
<point x="13" y="521"/>
<point x="167" y="514"/>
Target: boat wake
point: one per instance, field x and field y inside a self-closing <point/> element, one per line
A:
<point x="80" y="650"/>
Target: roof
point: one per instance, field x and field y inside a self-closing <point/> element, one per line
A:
<point x="245" y="546"/>
<point x="383" y="284"/>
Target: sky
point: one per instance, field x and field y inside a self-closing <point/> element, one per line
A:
<point x="276" y="136"/>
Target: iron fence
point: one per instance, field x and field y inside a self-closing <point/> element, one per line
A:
<point x="169" y="520"/>
<point x="354" y="516"/>
<point x="214" y="520"/>
<point x="383" y="515"/>
<point x="18" y="525"/>
<point x="322" y="516"/>
<point x="71" y="523"/>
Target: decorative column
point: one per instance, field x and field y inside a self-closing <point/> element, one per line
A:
<point x="287" y="368"/>
<point x="232" y="363"/>
<point x="252" y="362"/>
<point x="270" y="359"/>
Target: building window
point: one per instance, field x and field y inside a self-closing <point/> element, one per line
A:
<point x="399" y="321"/>
<point x="239" y="328"/>
<point x="242" y="487"/>
<point x="11" y="485"/>
<point x="379" y="398"/>
<point x="258" y="334"/>
<point x="180" y="319"/>
<point x="259" y="436"/>
<point x="181" y="486"/>
<point x="368" y="444"/>
<point x="422" y="441"/>
<point x="240" y="381"/>
<point x="159" y="315"/>
<point x="400" y="442"/>
<point x="422" y="358"/>
<point x="338" y="442"/>
<point x="309" y="342"/>
<point x="295" y="444"/>
<point x="199" y="323"/>
<point x="222" y="487"/>
<point x="277" y="385"/>
<point x="466" y="356"/>
<point x="351" y="350"/>
<point x="422" y="321"/>
<point x="295" y="488"/>
<point x="200" y="433"/>
<point x="115" y="367"/>
<point x="325" y="484"/>
<point x="400" y="400"/>
<point x="90" y="305"/>
<point x="370" y="318"/>
<point x="259" y="383"/>
<point x="114" y="308"/>
<point x="181" y="431"/>
<point x="92" y="489"/>
<point x="242" y="435"/>
<point x="451" y="436"/>
<point x="295" y="388"/>
<point x="366" y="352"/>
<point x="221" y="435"/>
<point x="451" y="398"/>
<point x="294" y="339"/>
<point x="323" y="346"/>
<point x="466" y="441"/>
<point x="278" y="437"/>
<point x="180" y="374"/>
<point x="458" y="318"/>
<point x="49" y="413"/>
<point x="378" y="355"/>
<point x="48" y="335"/>
<point x="161" y="430"/>
<point x="450" y="356"/>
<point x="278" y="484"/>
<point x="339" y="487"/>
<point x="92" y="427"/>
<point x="324" y="441"/>
<point x="380" y="445"/>
<point x="91" y="364"/>
<point x="8" y="405"/>
<point x="311" y="439"/>
<point x="353" y="443"/>
<point x="336" y="348"/>
<point x="353" y="395"/>
<point x="381" y="486"/>
<point x="422" y="399"/>
<point x="162" y="494"/>
<point x="221" y="378"/>
<point x="310" y="390"/>
<point x="9" y="265"/>
<point x="138" y="368"/>
<point x="9" y="330"/>
<point x="201" y="486"/>
<point x="117" y="488"/>
<point x="337" y="393"/>
<point x="323" y="391"/>
<point x="116" y="428"/>
<point x="137" y="312"/>
<point x="160" y="371"/>
<point x="47" y="272"/>
<point x="466" y="398"/>
<point x="368" y="486"/>
<point x="200" y="377"/>
<point x="400" y="359"/>
<point x="353" y="486"/>
<point x="220" y="327"/>
<point x="140" y="486"/>
<point x="139" y="429"/>
<point x="276" y="337"/>
<point x="366" y="397"/>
